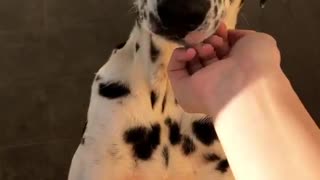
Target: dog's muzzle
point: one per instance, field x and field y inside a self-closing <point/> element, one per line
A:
<point x="176" y="18"/>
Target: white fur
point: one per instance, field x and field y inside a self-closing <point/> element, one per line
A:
<point x="105" y="156"/>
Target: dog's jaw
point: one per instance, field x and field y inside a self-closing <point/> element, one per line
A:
<point x="225" y="12"/>
<point x="149" y="19"/>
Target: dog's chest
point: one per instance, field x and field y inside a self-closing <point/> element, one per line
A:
<point x="137" y="130"/>
<point x="149" y="140"/>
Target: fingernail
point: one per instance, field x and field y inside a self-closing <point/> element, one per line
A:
<point x="191" y="51"/>
<point x="207" y="46"/>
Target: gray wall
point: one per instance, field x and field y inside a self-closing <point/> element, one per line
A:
<point x="50" y="49"/>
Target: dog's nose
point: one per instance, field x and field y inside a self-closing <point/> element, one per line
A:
<point x="182" y="16"/>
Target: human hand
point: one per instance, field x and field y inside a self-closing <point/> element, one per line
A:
<point x="206" y="77"/>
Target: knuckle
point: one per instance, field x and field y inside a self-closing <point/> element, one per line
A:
<point x="277" y="55"/>
<point x="267" y="38"/>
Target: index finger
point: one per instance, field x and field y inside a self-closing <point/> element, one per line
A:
<point x="222" y="31"/>
<point x="177" y="65"/>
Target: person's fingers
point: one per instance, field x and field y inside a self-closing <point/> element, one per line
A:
<point x="183" y="54"/>
<point x="207" y="54"/>
<point x="222" y="31"/>
<point x="210" y="61"/>
<point x="219" y="41"/>
<point x="177" y="65"/>
<point x="215" y="41"/>
<point x="205" y="51"/>
<point x="194" y="66"/>
<point x="220" y="46"/>
<point x="236" y="35"/>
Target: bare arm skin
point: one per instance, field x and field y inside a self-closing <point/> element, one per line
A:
<point x="267" y="133"/>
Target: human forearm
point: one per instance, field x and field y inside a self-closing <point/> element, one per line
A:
<point x="267" y="133"/>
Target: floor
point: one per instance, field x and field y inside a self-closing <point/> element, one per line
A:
<point x="50" y="50"/>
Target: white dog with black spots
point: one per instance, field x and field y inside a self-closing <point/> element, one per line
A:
<point x="136" y="130"/>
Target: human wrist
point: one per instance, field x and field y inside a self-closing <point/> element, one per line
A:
<point x="246" y="87"/>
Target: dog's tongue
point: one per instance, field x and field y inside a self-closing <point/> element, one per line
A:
<point x="195" y="37"/>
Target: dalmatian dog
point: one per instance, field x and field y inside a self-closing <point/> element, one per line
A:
<point x="136" y="130"/>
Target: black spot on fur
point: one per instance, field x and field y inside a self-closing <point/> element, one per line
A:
<point x="83" y="141"/>
<point x="113" y="90"/>
<point x="114" y="151"/>
<point x="174" y="131"/>
<point x="188" y="146"/>
<point x="153" y="98"/>
<point x="215" y="10"/>
<point x="137" y="47"/>
<point x="164" y="103"/>
<point x="216" y="23"/>
<point x="138" y="23"/>
<point x="142" y="151"/>
<point x="135" y="135"/>
<point x="175" y="136"/>
<point x="144" y="140"/>
<point x="83" y="131"/>
<point x="168" y="121"/>
<point x="165" y="154"/>
<point x="121" y="45"/>
<point x="204" y="131"/>
<point x="223" y="166"/>
<point x="144" y="15"/>
<point x="98" y="77"/>
<point x="154" y="135"/>
<point x="263" y="3"/>
<point x="84" y="127"/>
<point x="154" y="51"/>
<point x="211" y="157"/>
<point x="144" y="2"/>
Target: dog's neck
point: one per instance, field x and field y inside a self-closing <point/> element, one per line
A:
<point x="152" y="55"/>
<point x="159" y="43"/>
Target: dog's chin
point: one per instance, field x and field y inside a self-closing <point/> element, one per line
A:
<point x="170" y="35"/>
<point x="188" y="39"/>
